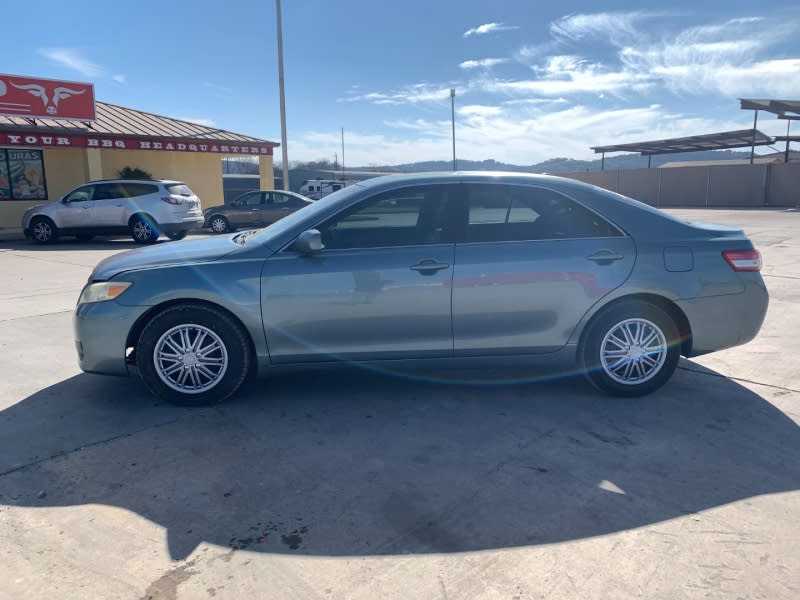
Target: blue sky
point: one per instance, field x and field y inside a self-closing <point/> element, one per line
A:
<point x="534" y="80"/>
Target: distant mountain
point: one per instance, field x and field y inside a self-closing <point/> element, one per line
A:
<point x="560" y="165"/>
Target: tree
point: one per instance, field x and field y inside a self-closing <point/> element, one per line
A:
<point x="128" y="172"/>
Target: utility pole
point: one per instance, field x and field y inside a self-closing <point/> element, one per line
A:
<point x="343" y="175"/>
<point x="453" y="120"/>
<point x="284" y="149"/>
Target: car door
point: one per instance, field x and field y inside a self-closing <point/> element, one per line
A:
<point x="108" y="204"/>
<point x="277" y="206"/>
<point x="529" y="265"/>
<point x="75" y="209"/>
<point x="246" y="211"/>
<point x="379" y="289"/>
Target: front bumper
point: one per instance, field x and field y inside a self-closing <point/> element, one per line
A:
<point x="719" y="322"/>
<point x="101" y="332"/>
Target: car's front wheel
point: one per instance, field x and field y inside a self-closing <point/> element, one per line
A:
<point x="143" y="230"/>
<point x="193" y="355"/>
<point x="219" y="224"/>
<point x="43" y="230"/>
<point x="631" y="349"/>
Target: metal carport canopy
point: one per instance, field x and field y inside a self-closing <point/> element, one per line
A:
<point x="777" y="107"/>
<point x="740" y="138"/>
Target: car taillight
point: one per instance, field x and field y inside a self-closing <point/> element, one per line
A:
<point x="172" y="200"/>
<point x="743" y="260"/>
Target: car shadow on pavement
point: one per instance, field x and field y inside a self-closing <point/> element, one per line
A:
<point x="358" y="463"/>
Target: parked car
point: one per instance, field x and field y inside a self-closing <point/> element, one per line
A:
<point x="142" y="208"/>
<point x="440" y="269"/>
<point x="253" y="209"/>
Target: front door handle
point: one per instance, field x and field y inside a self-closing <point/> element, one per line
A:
<point x="605" y="257"/>
<point x="428" y="266"/>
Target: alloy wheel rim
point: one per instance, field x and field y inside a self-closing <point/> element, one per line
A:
<point x="42" y="231"/>
<point x="218" y="225"/>
<point x="633" y="351"/>
<point x="142" y="230"/>
<point x="190" y="359"/>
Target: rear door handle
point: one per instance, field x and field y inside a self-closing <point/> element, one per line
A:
<point x="605" y="257"/>
<point x="429" y="266"/>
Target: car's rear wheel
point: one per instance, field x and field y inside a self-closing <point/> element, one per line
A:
<point x="143" y="230"/>
<point x="631" y="349"/>
<point x="43" y="230"/>
<point x="219" y="224"/>
<point x="177" y="235"/>
<point x="193" y="355"/>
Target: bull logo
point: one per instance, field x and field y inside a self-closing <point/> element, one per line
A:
<point x="50" y="104"/>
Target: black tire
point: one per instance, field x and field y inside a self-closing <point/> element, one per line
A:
<point x="219" y="224"/>
<point x="43" y="230"/>
<point x="201" y="319"/>
<point x="144" y="230"/>
<point x="85" y="237"/>
<point x="630" y="372"/>
<point x="177" y="235"/>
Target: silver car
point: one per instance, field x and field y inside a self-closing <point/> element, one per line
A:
<point x="144" y="209"/>
<point x="447" y="269"/>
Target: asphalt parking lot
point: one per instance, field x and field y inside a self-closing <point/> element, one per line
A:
<point x="362" y="485"/>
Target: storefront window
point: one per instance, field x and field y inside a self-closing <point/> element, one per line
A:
<point x="22" y="175"/>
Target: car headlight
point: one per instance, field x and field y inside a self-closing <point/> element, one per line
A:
<point x="102" y="291"/>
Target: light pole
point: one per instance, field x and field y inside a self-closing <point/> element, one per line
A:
<point x="453" y="120"/>
<point x="284" y="149"/>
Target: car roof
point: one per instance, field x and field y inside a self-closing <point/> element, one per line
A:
<point x="118" y="180"/>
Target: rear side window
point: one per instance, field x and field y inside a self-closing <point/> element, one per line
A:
<point x="507" y="213"/>
<point x="108" y="191"/>
<point x="139" y="189"/>
<point x="179" y="189"/>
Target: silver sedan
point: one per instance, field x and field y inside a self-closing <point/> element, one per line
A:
<point x="452" y="269"/>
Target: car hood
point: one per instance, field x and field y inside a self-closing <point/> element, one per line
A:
<point x="165" y="254"/>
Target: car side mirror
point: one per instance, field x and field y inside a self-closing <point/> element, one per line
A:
<point x="64" y="200"/>
<point x="308" y="242"/>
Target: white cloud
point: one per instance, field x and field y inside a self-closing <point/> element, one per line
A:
<point x="410" y="94"/>
<point x="119" y="78"/>
<point x="219" y="89"/>
<point x="484" y="63"/>
<point x="520" y="135"/>
<point x="199" y="121"/>
<point x="488" y="28"/>
<point x="479" y="110"/>
<point x="72" y="59"/>
<point x="617" y="27"/>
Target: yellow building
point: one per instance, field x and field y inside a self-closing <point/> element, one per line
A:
<point x="42" y="159"/>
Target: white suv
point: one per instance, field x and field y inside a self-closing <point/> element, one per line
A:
<point x="142" y="208"/>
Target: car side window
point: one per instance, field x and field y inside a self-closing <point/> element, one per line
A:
<point x="253" y="199"/>
<point x="108" y="191"/>
<point x="278" y="199"/>
<point x="82" y="194"/>
<point x="506" y="213"/>
<point x="139" y="189"/>
<point x="410" y="216"/>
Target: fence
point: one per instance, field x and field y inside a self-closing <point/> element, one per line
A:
<point x="721" y="186"/>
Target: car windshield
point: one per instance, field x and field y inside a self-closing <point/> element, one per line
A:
<point x="307" y="212"/>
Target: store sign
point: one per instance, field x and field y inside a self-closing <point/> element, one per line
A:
<point x="46" y="98"/>
<point x="131" y="143"/>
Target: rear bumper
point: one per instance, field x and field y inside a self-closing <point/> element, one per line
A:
<point x="719" y="322"/>
<point x="188" y="224"/>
